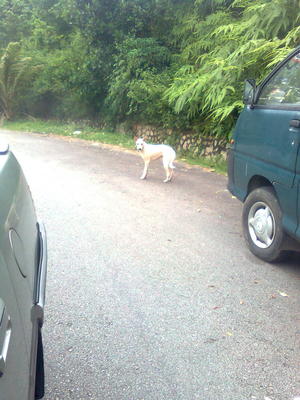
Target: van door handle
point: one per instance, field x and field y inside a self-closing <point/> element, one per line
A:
<point x="5" y="335"/>
<point x="295" y="123"/>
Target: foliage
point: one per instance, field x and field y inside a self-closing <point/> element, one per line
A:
<point x="226" y="47"/>
<point x="66" y="86"/>
<point x="173" y="63"/>
<point x="15" y="18"/>
<point x="15" y="73"/>
<point x="138" y="80"/>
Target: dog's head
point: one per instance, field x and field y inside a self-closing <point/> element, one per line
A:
<point x="139" y="144"/>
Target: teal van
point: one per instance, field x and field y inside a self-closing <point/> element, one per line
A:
<point x="264" y="161"/>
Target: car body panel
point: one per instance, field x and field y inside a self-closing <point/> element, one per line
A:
<point x="23" y="265"/>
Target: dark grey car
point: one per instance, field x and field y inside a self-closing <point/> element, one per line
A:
<point x="23" y="266"/>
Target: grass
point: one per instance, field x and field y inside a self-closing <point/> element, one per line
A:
<point x="67" y="129"/>
<point x="217" y="164"/>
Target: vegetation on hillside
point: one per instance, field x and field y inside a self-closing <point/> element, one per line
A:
<point x="171" y="63"/>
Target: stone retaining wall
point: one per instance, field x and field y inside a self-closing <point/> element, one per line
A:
<point x="189" y="141"/>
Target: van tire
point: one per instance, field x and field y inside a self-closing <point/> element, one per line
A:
<point x="262" y="224"/>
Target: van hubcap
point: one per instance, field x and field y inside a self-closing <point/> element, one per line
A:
<point x="261" y="225"/>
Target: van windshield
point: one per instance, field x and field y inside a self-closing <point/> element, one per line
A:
<point x="284" y="86"/>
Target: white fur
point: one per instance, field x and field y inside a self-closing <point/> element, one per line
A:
<point x="154" y="151"/>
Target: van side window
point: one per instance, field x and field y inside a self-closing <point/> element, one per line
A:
<point x="284" y="87"/>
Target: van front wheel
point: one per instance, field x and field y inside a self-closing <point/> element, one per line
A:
<point x="262" y="224"/>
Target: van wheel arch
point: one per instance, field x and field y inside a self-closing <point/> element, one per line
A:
<point x="258" y="181"/>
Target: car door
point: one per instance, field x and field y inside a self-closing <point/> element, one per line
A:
<point x="14" y="358"/>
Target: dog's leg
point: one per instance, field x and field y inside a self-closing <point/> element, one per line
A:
<point x="144" y="174"/>
<point x="167" y="169"/>
<point x="171" y="167"/>
<point x="167" y="178"/>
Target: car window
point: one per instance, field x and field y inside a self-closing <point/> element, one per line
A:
<point x="284" y="87"/>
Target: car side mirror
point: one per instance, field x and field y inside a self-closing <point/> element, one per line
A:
<point x="249" y="91"/>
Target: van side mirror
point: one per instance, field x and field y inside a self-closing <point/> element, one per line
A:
<point x="249" y="91"/>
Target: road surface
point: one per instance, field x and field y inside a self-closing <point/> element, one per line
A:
<point x="151" y="292"/>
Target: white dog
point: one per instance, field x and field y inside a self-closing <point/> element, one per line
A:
<point x="154" y="151"/>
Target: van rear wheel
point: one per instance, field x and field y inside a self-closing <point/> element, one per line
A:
<point x="262" y="224"/>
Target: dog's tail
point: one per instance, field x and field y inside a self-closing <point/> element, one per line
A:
<point x="171" y="165"/>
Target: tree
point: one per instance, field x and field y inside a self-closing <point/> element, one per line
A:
<point x="138" y="64"/>
<point x="224" y="46"/>
<point x="15" y="72"/>
<point x="175" y="63"/>
<point x="15" y="17"/>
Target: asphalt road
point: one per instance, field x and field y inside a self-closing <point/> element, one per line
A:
<point x="151" y="292"/>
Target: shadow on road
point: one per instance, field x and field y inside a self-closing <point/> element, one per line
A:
<point x="291" y="263"/>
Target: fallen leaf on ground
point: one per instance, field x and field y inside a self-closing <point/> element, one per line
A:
<point x="283" y="294"/>
<point x="210" y="340"/>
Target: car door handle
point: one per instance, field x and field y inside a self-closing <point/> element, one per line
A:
<point x="295" y="123"/>
<point x="5" y="335"/>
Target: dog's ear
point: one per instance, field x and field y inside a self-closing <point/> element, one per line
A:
<point x="145" y="138"/>
<point x="135" y="138"/>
